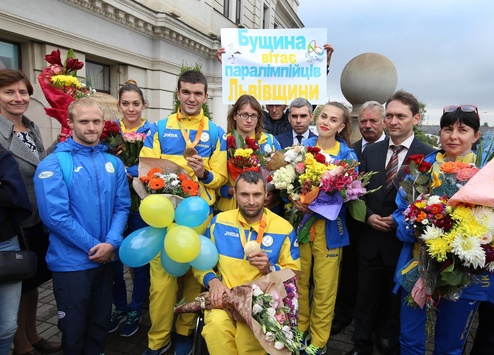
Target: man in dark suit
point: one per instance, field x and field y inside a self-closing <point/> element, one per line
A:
<point x="378" y="248"/>
<point x="371" y="126"/>
<point x="300" y="117"/>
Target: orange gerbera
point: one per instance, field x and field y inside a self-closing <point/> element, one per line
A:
<point x="156" y="184"/>
<point x="190" y="187"/>
<point x="144" y="179"/>
<point x="183" y="177"/>
<point x="421" y="216"/>
<point x="152" y="173"/>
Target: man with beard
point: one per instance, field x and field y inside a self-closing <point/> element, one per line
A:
<point x="275" y="248"/>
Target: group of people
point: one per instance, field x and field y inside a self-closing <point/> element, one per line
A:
<point x="81" y="195"/>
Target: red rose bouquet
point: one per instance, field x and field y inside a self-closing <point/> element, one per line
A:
<point x="111" y="136"/>
<point x="60" y="86"/>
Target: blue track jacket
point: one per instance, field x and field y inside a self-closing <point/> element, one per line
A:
<point x="336" y="232"/>
<point x="92" y="208"/>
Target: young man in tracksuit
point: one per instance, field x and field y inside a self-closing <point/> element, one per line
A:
<point x="83" y="199"/>
<point x="191" y="140"/>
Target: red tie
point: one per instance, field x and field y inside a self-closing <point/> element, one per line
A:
<point x="392" y="167"/>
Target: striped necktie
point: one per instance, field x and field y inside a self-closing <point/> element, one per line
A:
<point x="392" y="167"/>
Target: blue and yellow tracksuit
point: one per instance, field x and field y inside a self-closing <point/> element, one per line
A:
<point x="453" y="319"/>
<point x="322" y="255"/>
<point x="167" y="142"/>
<point x="267" y="144"/>
<point x="222" y="334"/>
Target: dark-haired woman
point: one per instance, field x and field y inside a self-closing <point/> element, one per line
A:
<point x="131" y="103"/>
<point x="245" y="117"/>
<point x="459" y="133"/>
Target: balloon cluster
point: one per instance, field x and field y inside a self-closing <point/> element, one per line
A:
<point x="180" y="244"/>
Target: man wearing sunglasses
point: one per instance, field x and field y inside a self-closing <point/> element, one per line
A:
<point x="378" y="248"/>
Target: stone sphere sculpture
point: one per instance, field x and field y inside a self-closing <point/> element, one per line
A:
<point x="368" y="76"/>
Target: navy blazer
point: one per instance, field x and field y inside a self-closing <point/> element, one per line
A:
<point x="286" y="139"/>
<point x="382" y="202"/>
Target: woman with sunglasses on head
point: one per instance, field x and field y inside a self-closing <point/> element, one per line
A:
<point x="459" y="132"/>
<point x="245" y="117"/>
<point x="320" y="257"/>
<point x="131" y="103"/>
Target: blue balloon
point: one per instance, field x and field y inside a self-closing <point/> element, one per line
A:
<point x="171" y="266"/>
<point x="141" y="246"/>
<point x="208" y="256"/>
<point x="192" y="212"/>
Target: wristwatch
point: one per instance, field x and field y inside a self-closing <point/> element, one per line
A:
<point x="272" y="268"/>
<point x="205" y="176"/>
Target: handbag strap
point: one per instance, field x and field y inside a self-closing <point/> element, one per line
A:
<point x="22" y="238"/>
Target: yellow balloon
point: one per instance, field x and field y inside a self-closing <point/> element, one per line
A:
<point x="157" y="211"/>
<point x="182" y="244"/>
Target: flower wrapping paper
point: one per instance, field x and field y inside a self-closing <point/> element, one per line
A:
<point x="479" y="190"/>
<point x="239" y="304"/>
<point x="167" y="166"/>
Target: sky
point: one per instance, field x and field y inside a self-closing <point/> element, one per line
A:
<point x="443" y="50"/>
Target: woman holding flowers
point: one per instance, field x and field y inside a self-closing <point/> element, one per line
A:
<point x="22" y="138"/>
<point x="134" y="129"/>
<point x="247" y="145"/>
<point x="320" y="256"/>
<point x="419" y="274"/>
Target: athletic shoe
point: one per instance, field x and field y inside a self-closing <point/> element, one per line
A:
<point x="117" y="318"/>
<point x="159" y="351"/>
<point x="132" y="325"/>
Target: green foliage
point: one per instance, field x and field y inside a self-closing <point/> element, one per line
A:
<point x="185" y="67"/>
<point x="431" y="141"/>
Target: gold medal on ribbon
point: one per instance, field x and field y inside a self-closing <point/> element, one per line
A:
<point x="190" y="152"/>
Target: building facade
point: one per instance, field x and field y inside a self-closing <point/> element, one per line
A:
<point x="144" y="40"/>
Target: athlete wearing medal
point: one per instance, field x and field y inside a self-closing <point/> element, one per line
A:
<point x="231" y="231"/>
<point x="191" y="140"/>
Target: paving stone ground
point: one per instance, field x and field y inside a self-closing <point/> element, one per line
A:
<point x="116" y="345"/>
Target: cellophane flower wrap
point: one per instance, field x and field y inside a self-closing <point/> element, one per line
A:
<point x="61" y="87"/>
<point x="162" y="176"/>
<point x="455" y="241"/>
<point x="323" y="183"/>
<point x="243" y="154"/>
<point x="268" y="305"/>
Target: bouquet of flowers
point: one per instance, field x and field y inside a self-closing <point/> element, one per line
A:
<point x="161" y="176"/>
<point x="243" y="154"/>
<point x="455" y="241"/>
<point x="316" y="179"/>
<point x="268" y="305"/>
<point x="278" y="321"/>
<point x="61" y="87"/>
<point x="132" y="145"/>
<point x="158" y="182"/>
<point x="111" y="136"/>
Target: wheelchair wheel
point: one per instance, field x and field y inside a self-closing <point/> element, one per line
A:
<point x="198" y="343"/>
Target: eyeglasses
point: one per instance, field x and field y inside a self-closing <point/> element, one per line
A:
<point x="463" y="108"/>
<point x="246" y="116"/>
